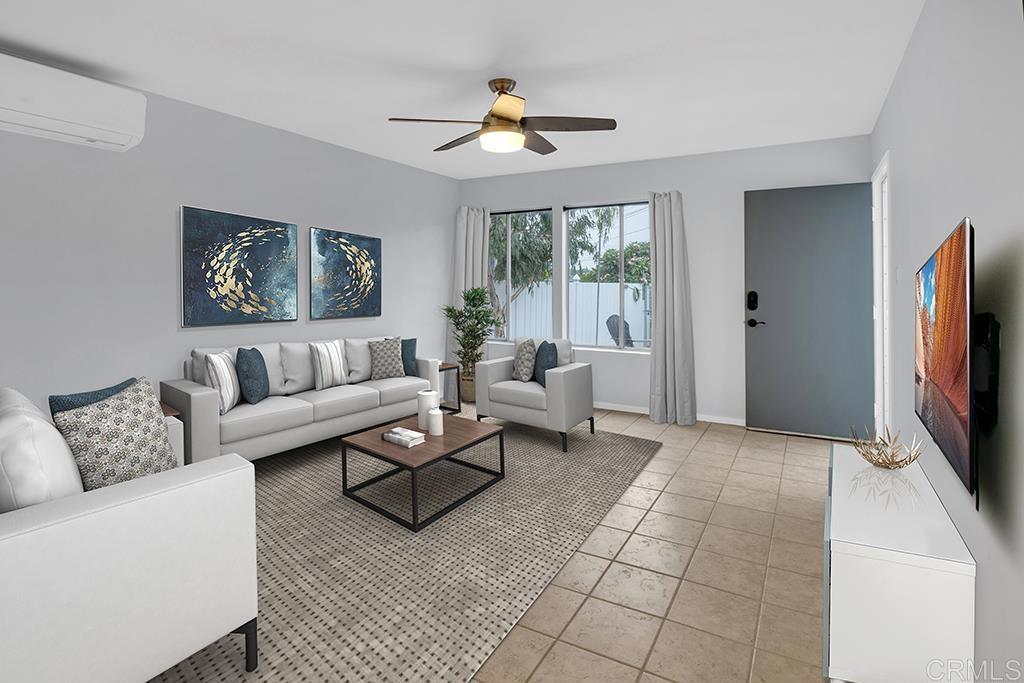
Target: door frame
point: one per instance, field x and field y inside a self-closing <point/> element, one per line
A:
<point x="881" y="220"/>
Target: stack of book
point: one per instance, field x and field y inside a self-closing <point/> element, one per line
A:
<point x="404" y="437"/>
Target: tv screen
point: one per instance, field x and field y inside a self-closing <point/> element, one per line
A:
<point x="942" y="385"/>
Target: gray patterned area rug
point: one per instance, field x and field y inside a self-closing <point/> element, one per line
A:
<point x="347" y="595"/>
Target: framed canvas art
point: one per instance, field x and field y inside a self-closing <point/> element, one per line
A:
<point x="237" y="269"/>
<point x="344" y="275"/>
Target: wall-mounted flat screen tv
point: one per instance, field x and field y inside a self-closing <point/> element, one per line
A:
<point x="942" y="370"/>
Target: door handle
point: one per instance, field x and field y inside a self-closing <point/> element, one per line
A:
<point x="754" y="323"/>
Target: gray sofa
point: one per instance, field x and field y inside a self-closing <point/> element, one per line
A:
<point x="294" y="414"/>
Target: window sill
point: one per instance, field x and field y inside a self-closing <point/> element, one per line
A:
<point x="589" y="349"/>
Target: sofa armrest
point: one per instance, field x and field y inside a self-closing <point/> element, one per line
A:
<point x="199" y="406"/>
<point x="176" y="435"/>
<point x="570" y="395"/>
<point x="429" y="369"/>
<point x="129" y="579"/>
<point x="489" y="372"/>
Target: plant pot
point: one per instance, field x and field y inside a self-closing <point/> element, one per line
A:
<point x="468" y="389"/>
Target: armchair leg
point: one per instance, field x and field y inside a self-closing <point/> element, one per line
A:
<point x="251" y="651"/>
<point x="591" y="424"/>
<point x="565" y="442"/>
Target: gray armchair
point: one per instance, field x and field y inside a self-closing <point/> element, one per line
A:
<point x="567" y="400"/>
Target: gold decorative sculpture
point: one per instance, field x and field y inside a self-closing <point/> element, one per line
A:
<point x="886" y="451"/>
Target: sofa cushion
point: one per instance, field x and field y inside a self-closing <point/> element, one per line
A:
<point x="386" y="358"/>
<point x="36" y="464"/>
<point x="397" y="389"/>
<point x="525" y="358"/>
<point x="251" y="368"/>
<point x="328" y="364"/>
<point x="119" y="438"/>
<point x="297" y="362"/>
<point x="61" y="402"/>
<point x="272" y="414"/>
<point x="341" y="400"/>
<point x="271" y="353"/>
<point x="516" y="393"/>
<point x="566" y="354"/>
<point x="221" y="375"/>
<point x="358" y="359"/>
<point x="409" y="356"/>
<point x="547" y="359"/>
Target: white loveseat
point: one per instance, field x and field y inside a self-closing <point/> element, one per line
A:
<point x="295" y="414"/>
<point x="565" y="401"/>
<point x="123" y="582"/>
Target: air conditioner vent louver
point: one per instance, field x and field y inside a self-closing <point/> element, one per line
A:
<point x="49" y="103"/>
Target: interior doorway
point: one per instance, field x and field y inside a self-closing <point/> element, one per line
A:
<point x="880" y="220"/>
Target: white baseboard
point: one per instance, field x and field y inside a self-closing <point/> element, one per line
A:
<point x="620" y="407"/>
<point x="643" y="411"/>
<point x="722" y="420"/>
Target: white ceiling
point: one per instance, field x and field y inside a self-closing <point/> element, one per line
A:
<point x="681" y="76"/>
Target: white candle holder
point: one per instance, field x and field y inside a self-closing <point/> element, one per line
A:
<point x="435" y="418"/>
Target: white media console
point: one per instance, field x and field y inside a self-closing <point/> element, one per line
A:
<point x="899" y="580"/>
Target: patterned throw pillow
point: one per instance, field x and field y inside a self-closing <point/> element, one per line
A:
<point x="328" y="364"/>
<point x="253" y="379"/>
<point x="221" y="375"/>
<point x="526" y="355"/>
<point x="386" y="358"/>
<point x="118" y="438"/>
<point x="547" y="359"/>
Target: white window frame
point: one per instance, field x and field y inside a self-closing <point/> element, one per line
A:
<point x="622" y="274"/>
<point x="507" y="214"/>
<point x="881" y="220"/>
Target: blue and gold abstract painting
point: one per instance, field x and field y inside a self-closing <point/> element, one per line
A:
<point x="344" y="275"/>
<point x="237" y="269"/>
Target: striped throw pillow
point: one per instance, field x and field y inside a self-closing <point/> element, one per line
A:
<point x="221" y="375"/>
<point x="328" y="364"/>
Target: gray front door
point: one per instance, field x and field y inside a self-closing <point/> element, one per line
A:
<point x="810" y="365"/>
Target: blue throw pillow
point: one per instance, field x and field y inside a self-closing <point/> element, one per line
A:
<point x="409" y="357"/>
<point x="547" y="358"/>
<point x="60" y="403"/>
<point x="253" y="380"/>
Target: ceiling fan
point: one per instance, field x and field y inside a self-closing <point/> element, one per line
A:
<point x="505" y="129"/>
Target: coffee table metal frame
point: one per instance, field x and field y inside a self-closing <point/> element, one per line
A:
<point x="416" y="524"/>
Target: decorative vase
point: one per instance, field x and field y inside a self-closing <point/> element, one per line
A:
<point x="469" y="389"/>
<point x="435" y="418"/>
<point x="426" y="400"/>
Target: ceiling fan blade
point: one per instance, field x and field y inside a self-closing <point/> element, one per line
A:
<point x="460" y="141"/>
<point x="508" y="107"/>
<point x="396" y="118"/>
<point x="566" y="123"/>
<point x="537" y="143"/>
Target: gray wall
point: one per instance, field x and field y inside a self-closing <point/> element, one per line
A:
<point x="952" y="125"/>
<point x="712" y="186"/>
<point x="90" y="244"/>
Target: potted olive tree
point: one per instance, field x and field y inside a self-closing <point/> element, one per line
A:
<point x="472" y="325"/>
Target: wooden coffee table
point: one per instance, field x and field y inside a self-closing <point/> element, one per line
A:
<point x="459" y="434"/>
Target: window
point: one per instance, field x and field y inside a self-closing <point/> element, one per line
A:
<point x="610" y="289"/>
<point x="520" y="243"/>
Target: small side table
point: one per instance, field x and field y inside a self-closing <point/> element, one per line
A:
<point x="447" y="406"/>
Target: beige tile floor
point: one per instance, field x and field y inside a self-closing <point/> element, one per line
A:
<point x="707" y="570"/>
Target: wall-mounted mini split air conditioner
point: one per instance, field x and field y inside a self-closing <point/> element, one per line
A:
<point x="49" y="103"/>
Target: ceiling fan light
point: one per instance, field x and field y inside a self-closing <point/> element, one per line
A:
<point x="502" y="141"/>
